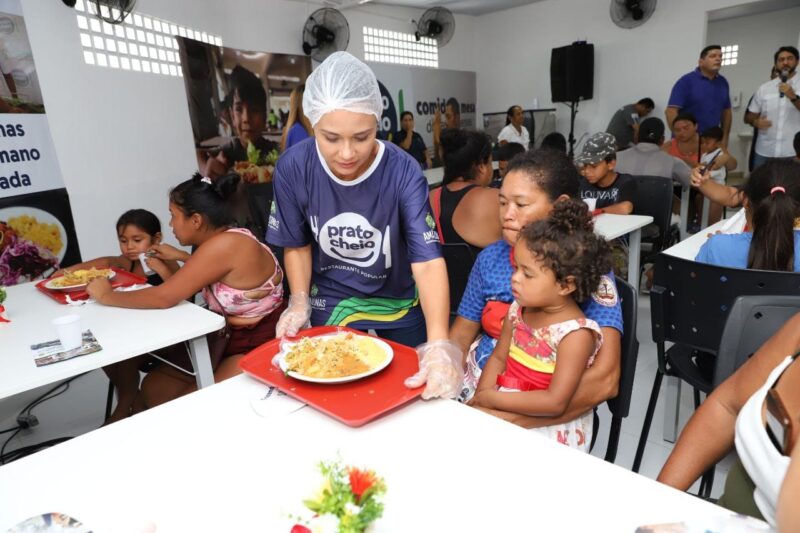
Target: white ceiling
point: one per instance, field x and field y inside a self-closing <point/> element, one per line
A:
<point x="464" y="7"/>
<point x="751" y="8"/>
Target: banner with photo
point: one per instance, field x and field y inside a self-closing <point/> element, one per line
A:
<point x="37" y="233"/>
<point x="240" y="105"/>
<point x="421" y="91"/>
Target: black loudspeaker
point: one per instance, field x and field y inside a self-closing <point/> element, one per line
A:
<point x="572" y="73"/>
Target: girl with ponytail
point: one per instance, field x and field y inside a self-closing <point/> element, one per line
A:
<point x="239" y="276"/>
<point x="772" y="209"/>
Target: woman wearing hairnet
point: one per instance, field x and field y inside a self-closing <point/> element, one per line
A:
<point x="353" y="216"/>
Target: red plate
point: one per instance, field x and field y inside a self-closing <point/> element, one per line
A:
<point x="354" y="403"/>
<point x="123" y="278"/>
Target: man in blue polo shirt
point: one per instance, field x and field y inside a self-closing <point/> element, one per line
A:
<point x="703" y="93"/>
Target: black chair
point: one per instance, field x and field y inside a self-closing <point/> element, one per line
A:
<point x="751" y="322"/>
<point x="621" y="405"/>
<point x="689" y="305"/>
<point x="654" y="198"/>
<point x="459" y="260"/>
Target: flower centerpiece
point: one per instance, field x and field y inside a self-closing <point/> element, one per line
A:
<point x="347" y="501"/>
<point x="2" y="309"/>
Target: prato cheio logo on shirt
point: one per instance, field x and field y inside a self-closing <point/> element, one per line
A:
<point x="350" y="237"/>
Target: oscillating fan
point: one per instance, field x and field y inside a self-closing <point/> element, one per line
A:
<point x="326" y="31"/>
<point x="436" y="23"/>
<point x="631" y="13"/>
<point x="113" y="11"/>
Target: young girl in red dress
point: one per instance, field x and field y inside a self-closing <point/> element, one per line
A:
<point x="547" y="342"/>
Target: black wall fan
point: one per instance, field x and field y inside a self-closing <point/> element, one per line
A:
<point x="436" y="23"/>
<point x="631" y="13"/>
<point x="326" y="31"/>
<point x="115" y="11"/>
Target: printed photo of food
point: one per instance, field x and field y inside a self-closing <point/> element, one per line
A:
<point x="30" y="248"/>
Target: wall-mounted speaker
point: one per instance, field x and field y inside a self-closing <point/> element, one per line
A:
<point x="572" y="72"/>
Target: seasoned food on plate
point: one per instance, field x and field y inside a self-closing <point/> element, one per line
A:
<point x="80" y="277"/>
<point x="334" y="357"/>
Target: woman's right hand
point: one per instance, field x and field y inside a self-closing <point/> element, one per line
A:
<point x="698" y="177"/>
<point x="165" y="252"/>
<point x="295" y="317"/>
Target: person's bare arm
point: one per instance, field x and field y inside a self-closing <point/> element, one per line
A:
<point x="670" y="113"/>
<point x="621" y="208"/>
<point x="209" y="263"/>
<point x="463" y="332"/>
<point x="727" y="120"/>
<point x="757" y="121"/>
<point x="716" y="192"/>
<point x="434" y="296"/>
<point x="708" y="435"/>
<point x="574" y="351"/>
<point x="298" y="268"/>
<point x="598" y="383"/>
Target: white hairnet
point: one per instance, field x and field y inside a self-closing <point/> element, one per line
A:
<point x="341" y="82"/>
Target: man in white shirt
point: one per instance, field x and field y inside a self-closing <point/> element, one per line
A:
<point x="775" y="110"/>
<point x="514" y="131"/>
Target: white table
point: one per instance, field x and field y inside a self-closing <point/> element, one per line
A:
<point x="611" y="227"/>
<point x="123" y="333"/>
<point x="208" y="462"/>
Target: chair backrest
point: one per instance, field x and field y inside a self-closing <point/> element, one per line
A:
<point x="751" y="321"/>
<point x="654" y="198"/>
<point x="459" y="260"/>
<point x="620" y="406"/>
<point x="690" y="301"/>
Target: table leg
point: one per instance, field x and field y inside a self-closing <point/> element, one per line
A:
<point x="201" y="362"/>
<point x="634" y="251"/>
<point x="672" y="408"/>
<point x="706" y="209"/>
<point x="684" y="212"/>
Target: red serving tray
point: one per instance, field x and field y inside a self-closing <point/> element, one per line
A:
<point x="354" y="403"/>
<point x="122" y="278"/>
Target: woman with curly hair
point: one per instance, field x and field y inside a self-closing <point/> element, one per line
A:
<point x="547" y="342"/>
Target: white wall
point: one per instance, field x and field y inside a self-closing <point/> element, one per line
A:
<point x="758" y="37"/>
<point x="124" y="138"/>
<point x="513" y="59"/>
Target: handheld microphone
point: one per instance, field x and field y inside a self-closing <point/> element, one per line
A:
<point x="784" y="76"/>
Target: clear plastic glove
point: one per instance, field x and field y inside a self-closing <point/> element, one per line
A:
<point x="440" y="370"/>
<point x="295" y="317"/>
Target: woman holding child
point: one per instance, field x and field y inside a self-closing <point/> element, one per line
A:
<point x="534" y="183"/>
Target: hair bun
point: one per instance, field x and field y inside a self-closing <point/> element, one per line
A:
<point x="571" y="215"/>
<point x="227" y="185"/>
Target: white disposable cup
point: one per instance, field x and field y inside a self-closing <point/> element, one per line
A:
<point x="143" y="260"/>
<point x="68" y="328"/>
<point x="591" y="202"/>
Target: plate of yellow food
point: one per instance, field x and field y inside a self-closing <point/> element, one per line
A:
<point x="337" y="358"/>
<point x="74" y="280"/>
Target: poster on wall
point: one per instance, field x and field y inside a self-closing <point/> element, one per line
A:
<point x="421" y="91"/>
<point x="239" y="102"/>
<point x="37" y="233"/>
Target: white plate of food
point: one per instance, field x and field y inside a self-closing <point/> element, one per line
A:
<point x="335" y="358"/>
<point x="78" y="279"/>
